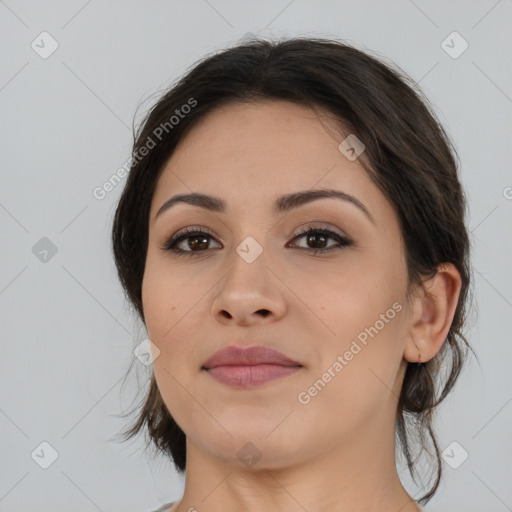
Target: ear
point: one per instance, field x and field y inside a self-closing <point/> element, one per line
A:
<point x="433" y="308"/>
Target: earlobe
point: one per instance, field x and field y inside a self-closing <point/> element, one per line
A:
<point x="433" y="310"/>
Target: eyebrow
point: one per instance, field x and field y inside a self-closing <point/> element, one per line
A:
<point x="283" y="204"/>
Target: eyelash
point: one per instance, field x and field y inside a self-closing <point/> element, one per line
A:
<point x="171" y="243"/>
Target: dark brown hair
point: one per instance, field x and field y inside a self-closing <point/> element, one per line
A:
<point x="407" y="154"/>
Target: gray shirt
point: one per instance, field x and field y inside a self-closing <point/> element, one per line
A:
<point x="164" y="508"/>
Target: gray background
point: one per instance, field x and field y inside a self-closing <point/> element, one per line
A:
<point x="67" y="333"/>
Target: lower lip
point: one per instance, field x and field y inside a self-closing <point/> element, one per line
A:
<point x="245" y="376"/>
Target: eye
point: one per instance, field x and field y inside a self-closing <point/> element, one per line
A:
<point x="188" y="241"/>
<point x="317" y="238"/>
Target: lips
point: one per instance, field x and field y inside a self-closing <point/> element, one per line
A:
<point x="250" y="356"/>
<point x="249" y="367"/>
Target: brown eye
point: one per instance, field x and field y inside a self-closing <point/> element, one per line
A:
<point x="188" y="241"/>
<point x="316" y="240"/>
<point x="194" y="241"/>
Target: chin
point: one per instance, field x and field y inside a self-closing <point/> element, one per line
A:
<point x="259" y="455"/>
<point x="251" y="444"/>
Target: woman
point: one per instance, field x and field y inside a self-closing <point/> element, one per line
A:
<point x="292" y="235"/>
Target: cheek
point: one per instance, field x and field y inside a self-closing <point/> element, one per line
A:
<point x="155" y="305"/>
<point x="174" y="312"/>
<point x="356" y="378"/>
<point x="172" y="327"/>
<point x="362" y="309"/>
<point x="350" y="298"/>
<point x="164" y="299"/>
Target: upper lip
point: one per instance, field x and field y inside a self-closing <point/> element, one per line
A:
<point x="248" y="356"/>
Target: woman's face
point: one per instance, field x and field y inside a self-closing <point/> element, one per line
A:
<point x="251" y="277"/>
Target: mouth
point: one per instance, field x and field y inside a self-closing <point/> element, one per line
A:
<point x="250" y="376"/>
<point x="249" y="367"/>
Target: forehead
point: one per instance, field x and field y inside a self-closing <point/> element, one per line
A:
<point x="251" y="153"/>
<point x="247" y="135"/>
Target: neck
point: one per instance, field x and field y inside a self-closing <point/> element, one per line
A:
<point x="357" y="476"/>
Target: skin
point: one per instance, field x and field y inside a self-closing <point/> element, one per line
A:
<point x="337" y="451"/>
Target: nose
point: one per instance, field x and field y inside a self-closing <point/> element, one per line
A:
<point x="249" y="294"/>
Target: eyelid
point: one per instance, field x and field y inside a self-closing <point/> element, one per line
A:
<point x="184" y="232"/>
<point x="319" y="225"/>
<point x="296" y="232"/>
<point x="342" y="240"/>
